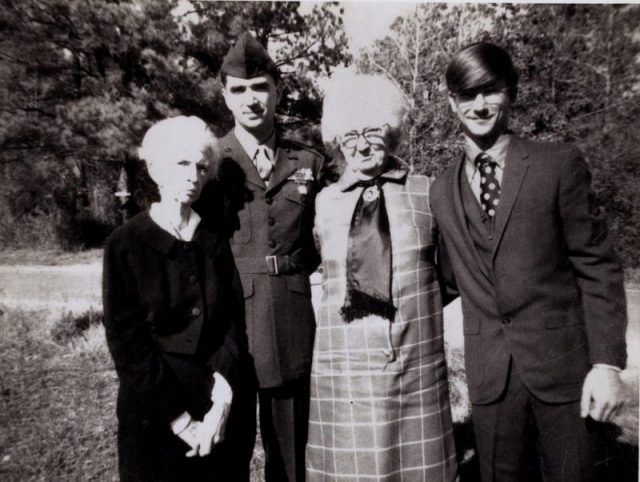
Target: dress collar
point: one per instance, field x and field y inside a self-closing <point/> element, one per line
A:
<point x="149" y="232"/>
<point x="160" y="216"/>
<point x="395" y="174"/>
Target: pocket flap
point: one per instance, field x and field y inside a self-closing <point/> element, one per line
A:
<point x="560" y="320"/>
<point x="296" y="197"/>
<point x="299" y="284"/>
<point x="470" y="324"/>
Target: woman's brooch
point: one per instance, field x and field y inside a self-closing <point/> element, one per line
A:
<point x="371" y="194"/>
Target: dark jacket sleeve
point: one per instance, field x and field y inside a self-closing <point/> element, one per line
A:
<point x="312" y="255"/>
<point x="148" y="390"/>
<point x="228" y="360"/>
<point x="599" y="275"/>
<point x="444" y="270"/>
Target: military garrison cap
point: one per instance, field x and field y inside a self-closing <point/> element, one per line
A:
<point x="247" y="59"/>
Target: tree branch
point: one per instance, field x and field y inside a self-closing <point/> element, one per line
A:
<point x="392" y="79"/>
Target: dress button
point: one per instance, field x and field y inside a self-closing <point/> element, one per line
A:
<point x="271" y="221"/>
<point x="271" y="243"/>
<point x="490" y="238"/>
<point x="195" y="311"/>
<point x="268" y="200"/>
<point x="186" y="247"/>
<point x="193" y="278"/>
<point x="506" y="321"/>
<point x="389" y="354"/>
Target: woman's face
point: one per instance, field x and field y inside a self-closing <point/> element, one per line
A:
<point x="365" y="150"/>
<point x="181" y="178"/>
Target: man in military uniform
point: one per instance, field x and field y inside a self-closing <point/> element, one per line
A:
<point x="268" y="185"/>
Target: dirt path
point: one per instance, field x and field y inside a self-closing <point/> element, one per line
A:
<point x="73" y="287"/>
<point x="76" y="288"/>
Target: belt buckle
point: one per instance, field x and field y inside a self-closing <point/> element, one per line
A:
<point x="272" y="265"/>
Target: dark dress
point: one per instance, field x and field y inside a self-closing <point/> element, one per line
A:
<point x="172" y="316"/>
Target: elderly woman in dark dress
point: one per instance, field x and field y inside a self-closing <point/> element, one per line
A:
<point x="379" y="397"/>
<point x="171" y="317"/>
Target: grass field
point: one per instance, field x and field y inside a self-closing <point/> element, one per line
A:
<point x="58" y="386"/>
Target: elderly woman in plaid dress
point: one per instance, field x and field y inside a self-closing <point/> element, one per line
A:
<point x="379" y="397"/>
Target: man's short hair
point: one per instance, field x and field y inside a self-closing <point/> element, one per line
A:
<point x="481" y="64"/>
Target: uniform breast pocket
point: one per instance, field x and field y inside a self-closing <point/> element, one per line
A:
<point x="296" y="206"/>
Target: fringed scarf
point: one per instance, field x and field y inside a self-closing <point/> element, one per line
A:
<point x="369" y="257"/>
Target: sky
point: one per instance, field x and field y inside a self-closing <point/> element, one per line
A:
<point x="366" y="21"/>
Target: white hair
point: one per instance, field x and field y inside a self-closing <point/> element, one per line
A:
<point x="170" y="139"/>
<point x="353" y="101"/>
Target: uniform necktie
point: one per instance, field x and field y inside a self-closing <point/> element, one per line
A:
<point x="369" y="257"/>
<point x="489" y="185"/>
<point x="263" y="164"/>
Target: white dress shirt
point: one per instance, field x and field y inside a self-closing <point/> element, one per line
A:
<point x="498" y="153"/>
<point x="251" y="145"/>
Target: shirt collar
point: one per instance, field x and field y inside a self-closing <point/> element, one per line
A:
<point x="160" y="216"/>
<point x="497" y="151"/>
<point x="250" y="144"/>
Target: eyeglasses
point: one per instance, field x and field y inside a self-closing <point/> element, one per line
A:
<point x="373" y="136"/>
<point x="491" y="94"/>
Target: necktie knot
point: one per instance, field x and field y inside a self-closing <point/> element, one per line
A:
<point x="485" y="160"/>
<point x="263" y="163"/>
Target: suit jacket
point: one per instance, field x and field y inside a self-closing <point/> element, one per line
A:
<point x="172" y="318"/>
<point x="271" y="221"/>
<point x="552" y="299"/>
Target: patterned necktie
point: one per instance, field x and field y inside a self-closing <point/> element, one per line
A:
<point x="263" y="164"/>
<point x="489" y="185"/>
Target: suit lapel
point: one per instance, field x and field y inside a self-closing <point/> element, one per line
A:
<point x="231" y="148"/>
<point x="515" y="170"/>
<point x="286" y="163"/>
<point x="460" y="217"/>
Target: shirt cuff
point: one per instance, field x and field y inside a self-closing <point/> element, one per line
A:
<point x="221" y="392"/>
<point x="180" y="423"/>
<point x="608" y="367"/>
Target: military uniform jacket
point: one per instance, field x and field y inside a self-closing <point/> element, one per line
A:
<point x="548" y="295"/>
<point x="272" y="241"/>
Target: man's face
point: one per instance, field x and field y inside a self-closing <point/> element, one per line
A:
<point x="483" y="112"/>
<point x="252" y="101"/>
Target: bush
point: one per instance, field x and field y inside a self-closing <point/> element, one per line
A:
<point x="71" y="326"/>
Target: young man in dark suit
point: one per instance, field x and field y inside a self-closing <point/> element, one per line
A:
<point x="542" y="295"/>
<point x="268" y="185"/>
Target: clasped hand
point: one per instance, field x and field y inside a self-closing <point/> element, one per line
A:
<point x="202" y="436"/>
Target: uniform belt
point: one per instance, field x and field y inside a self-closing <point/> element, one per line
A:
<point x="271" y="265"/>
